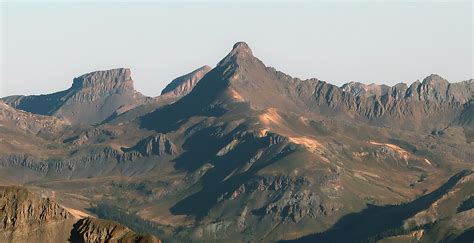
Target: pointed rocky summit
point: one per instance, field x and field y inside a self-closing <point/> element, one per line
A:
<point x="240" y="55"/>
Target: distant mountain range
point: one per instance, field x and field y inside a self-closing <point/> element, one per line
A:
<point x="243" y="152"/>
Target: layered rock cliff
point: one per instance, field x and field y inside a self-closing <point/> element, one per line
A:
<point x="158" y="144"/>
<point x="92" y="98"/>
<point x="28" y="218"/>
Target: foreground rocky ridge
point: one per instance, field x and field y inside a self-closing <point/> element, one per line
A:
<point x="25" y="217"/>
<point x="98" y="230"/>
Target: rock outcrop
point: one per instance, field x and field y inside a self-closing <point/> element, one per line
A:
<point x="357" y="88"/>
<point x="95" y="85"/>
<point x="181" y="86"/>
<point x="25" y="217"/>
<point x="92" y="98"/>
<point x="99" y="230"/>
<point x="28" y="122"/>
<point x="293" y="202"/>
<point x="467" y="117"/>
<point x="157" y="144"/>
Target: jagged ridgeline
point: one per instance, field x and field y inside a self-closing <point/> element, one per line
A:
<point x="243" y="152"/>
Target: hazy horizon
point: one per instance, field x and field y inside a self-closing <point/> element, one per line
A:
<point x="45" y="45"/>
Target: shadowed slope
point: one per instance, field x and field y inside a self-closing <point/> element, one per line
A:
<point x="378" y="219"/>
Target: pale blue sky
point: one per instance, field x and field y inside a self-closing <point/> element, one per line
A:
<point x="45" y="45"/>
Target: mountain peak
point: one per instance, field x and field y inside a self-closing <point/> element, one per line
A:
<point x="241" y="47"/>
<point x="241" y="54"/>
<point x="434" y="79"/>
<point x="115" y="77"/>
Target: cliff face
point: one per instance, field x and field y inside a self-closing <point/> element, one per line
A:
<point x="29" y="122"/>
<point x="434" y="102"/>
<point x="181" y="86"/>
<point x="25" y="217"/>
<point x="28" y="218"/>
<point x="99" y="230"/>
<point x="96" y="85"/>
<point x="92" y="98"/>
<point x="357" y="88"/>
<point x="158" y="144"/>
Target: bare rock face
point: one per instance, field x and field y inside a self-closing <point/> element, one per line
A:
<point x="293" y="203"/>
<point x="433" y="88"/>
<point x="416" y="106"/>
<point x="29" y="122"/>
<point x="28" y="218"/>
<point x="467" y="116"/>
<point x="92" y="98"/>
<point x="240" y="56"/>
<point x="99" y="230"/>
<point x="436" y="88"/>
<point x="247" y="79"/>
<point x="158" y="145"/>
<point x="24" y="161"/>
<point x="357" y="88"/>
<point x="181" y="86"/>
<point x="25" y="217"/>
<point x="95" y="85"/>
<point x="398" y="90"/>
<point x="242" y="78"/>
<point x="95" y="135"/>
<point x="295" y="206"/>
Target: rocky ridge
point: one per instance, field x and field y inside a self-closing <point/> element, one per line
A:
<point x="92" y="98"/>
<point x="26" y="217"/>
<point x="29" y="122"/>
<point x="99" y="230"/>
<point x="181" y="86"/>
<point x="242" y="78"/>
<point x="157" y="144"/>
